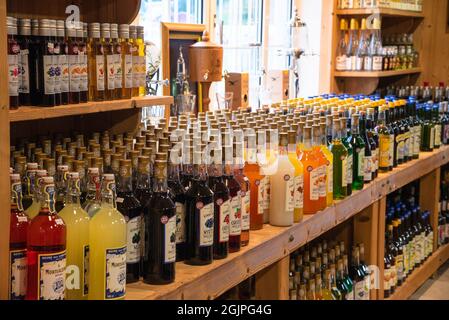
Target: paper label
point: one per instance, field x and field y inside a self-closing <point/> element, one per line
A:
<point x="180" y="223"/>
<point x="266" y="201"/>
<point x="315" y="176"/>
<point x="358" y="63"/>
<point x="438" y="135"/>
<point x="377" y="63"/>
<point x="134" y="229"/>
<point x="341" y="63"/>
<point x="359" y="290"/>
<point x="368" y="168"/>
<point x="236" y="217"/>
<point x="99" y="61"/>
<point x="18" y="274"/>
<point x="246" y="210"/>
<point x="170" y="241"/>
<point x="350" y="169"/>
<point x="84" y="77"/>
<point x="136" y="71"/>
<point x="299" y="192"/>
<point x="260" y="196"/>
<point x="64" y="65"/>
<point x="86" y="270"/>
<point x="115" y="273"/>
<point x="344" y="170"/>
<point x="128" y="71"/>
<point x="384" y="145"/>
<point x="24" y="69"/>
<point x="58" y="73"/>
<point x="432" y="138"/>
<point x="111" y="64"/>
<point x="74" y="73"/>
<point x="368" y="63"/>
<point x="360" y="163"/>
<point x="225" y="211"/>
<point x="207" y="225"/>
<point x="49" y="75"/>
<point x="13" y="75"/>
<point x="330" y="178"/>
<point x="118" y="71"/>
<point x="51" y="276"/>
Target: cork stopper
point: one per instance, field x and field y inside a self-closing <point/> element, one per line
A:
<point x="125" y="168"/>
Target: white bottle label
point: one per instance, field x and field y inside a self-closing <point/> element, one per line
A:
<point x="13" y="75"/>
<point x="348" y="66"/>
<point x="225" y="216"/>
<point x="438" y="135"/>
<point x="49" y="75"/>
<point x="344" y="170"/>
<point x="58" y="73"/>
<point x="24" y="70"/>
<point x="143" y="71"/>
<point x="432" y="138"/>
<point x="341" y="63"/>
<point x="170" y="241"/>
<point x="74" y="70"/>
<point x="110" y="64"/>
<point x="134" y="240"/>
<point x="84" y="78"/>
<point x="128" y="71"/>
<point x="377" y="63"/>
<point x="207" y="226"/>
<point x="136" y="71"/>
<point x="359" y="290"/>
<point x="368" y="63"/>
<point x="315" y="176"/>
<point x="350" y="168"/>
<point x="349" y="296"/>
<point x="260" y="196"/>
<point x="360" y="164"/>
<point x="246" y="211"/>
<point x="51" y="276"/>
<point x="180" y="223"/>
<point x="330" y="178"/>
<point x="299" y="192"/>
<point x="99" y="61"/>
<point x="323" y="179"/>
<point x="289" y="193"/>
<point x="236" y="217"/>
<point x="358" y="63"/>
<point x="368" y="168"/>
<point x="118" y="71"/>
<point x="64" y="65"/>
<point x="267" y="187"/>
<point x="391" y="149"/>
<point x="18" y="275"/>
<point x="115" y="273"/>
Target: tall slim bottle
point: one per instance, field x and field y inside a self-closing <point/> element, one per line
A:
<point x="46" y="68"/>
<point x="77" y="222"/>
<point x="342" y="54"/>
<point x="136" y="61"/>
<point x="350" y="159"/>
<point x="245" y="194"/>
<point x="299" y="178"/>
<point x="63" y="62"/>
<point x="19" y="223"/>
<point x="322" y="169"/>
<point x="384" y="143"/>
<point x="25" y="60"/>
<point x="160" y="230"/>
<point x="117" y="58"/>
<point x="46" y="249"/>
<point x="82" y="36"/>
<point x="358" y="146"/>
<point x="329" y="166"/>
<point x="311" y="174"/>
<point x="142" y="61"/>
<point x="235" y="221"/>
<point x="340" y="154"/>
<point x="107" y="235"/>
<point x="127" y="62"/>
<point x="97" y="71"/>
<point x="109" y="59"/>
<point x="74" y="65"/>
<point x="368" y="157"/>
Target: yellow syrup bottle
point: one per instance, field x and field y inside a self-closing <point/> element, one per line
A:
<point x="330" y="165"/>
<point x="299" y="177"/>
<point x="77" y="222"/>
<point x="107" y="235"/>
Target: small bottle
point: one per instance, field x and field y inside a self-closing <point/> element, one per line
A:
<point x="25" y="81"/>
<point x="245" y="194"/>
<point x="63" y="63"/>
<point x="47" y="249"/>
<point x="35" y="89"/>
<point x="117" y="58"/>
<point x="82" y="35"/>
<point x="73" y="58"/>
<point x="93" y="198"/>
<point x="142" y="61"/>
<point x="13" y="63"/>
<point x="160" y="230"/>
<point x="235" y="189"/>
<point x="109" y="61"/>
<point x="46" y="71"/>
<point x="19" y="223"/>
<point x="97" y="76"/>
<point x="136" y="61"/>
<point x="127" y="61"/>
<point x="55" y="61"/>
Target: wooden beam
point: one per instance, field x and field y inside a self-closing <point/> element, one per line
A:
<point x="273" y="282"/>
<point x="381" y="246"/>
<point x="429" y="199"/>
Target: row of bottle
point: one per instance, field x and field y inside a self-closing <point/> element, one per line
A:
<point x="52" y="63"/>
<point x="361" y="49"/>
<point x="443" y="214"/>
<point x="421" y="94"/>
<point x="322" y="272"/>
<point x="408" y="238"/>
<point x="414" y="5"/>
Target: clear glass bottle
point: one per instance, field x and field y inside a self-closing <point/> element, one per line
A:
<point x="117" y="59"/>
<point x="74" y="65"/>
<point x="82" y="36"/>
<point x="97" y="76"/>
<point x="109" y="58"/>
<point x="25" y="79"/>
<point x="127" y="61"/>
<point x="63" y="62"/>
<point x="46" y="68"/>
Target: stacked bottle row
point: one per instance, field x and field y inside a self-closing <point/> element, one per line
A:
<point x="408" y="239"/>
<point x="321" y="271"/>
<point x="421" y="94"/>
<point x="361" y="48"/>
<point x="51" y="62"/>
<point x="443" y="214"/>
<point x="414" y="5"/>
<point x="245" y="291"/>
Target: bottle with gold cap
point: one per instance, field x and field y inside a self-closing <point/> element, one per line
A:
<point x="108" y="243"/>
<point x="160" y="229"/>
<point x="131" y="209"/>
<point x="353" y="45"/>
<point x="342" y="54"/>
<point x="298" y="179"/>
<point x="77" y="222"/>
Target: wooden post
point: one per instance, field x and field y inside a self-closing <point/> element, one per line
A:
<point x="381" y="246"/>
<point x="429" y="197"/>
<point x="272" y="282"/>
<point x="4" y="160"/>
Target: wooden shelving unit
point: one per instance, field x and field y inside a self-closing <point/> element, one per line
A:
<point x="40" y="113"/>
<point x="386" y="12"/>
<point x="376" y="74"/>
<point x="272" y="245"/>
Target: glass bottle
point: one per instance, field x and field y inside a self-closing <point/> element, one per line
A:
<point x="350" y="158"/>
<point x="46" y="249"/>
<point x="97" y="76"/>
<point x="63" y="63"/>
<point x="13" y="63"/>
<point x="347" y="279"/>
<point x="142" y="58"/>
<point x="356" y="53"/>
<point x="46" y="68"/>
<point x="136" y="61"/>
<point x="19" y="223"/>
<point x="299" y="177"/>
<point x="109" y="56"/>
<point x="322" y="169"/>
<point x="74" y="65"/>
<point x="340" y="154"/>
<point x="358" y="145"/>
<point x="357" y="276"/>
<point x="160" y="229"/>
<point x="245" y="193"/>
<point x="373" y="139"/>
<point x="26" y="81"/>
<point x="108" y="242"/>
<point x="131" y="209"/>
<point x="311" y="174"/>
<point x="428" y="131"/>
<point x="82" y="36"/>
<point x="77" y="223"/>
<point x="199" y="216"/>
<point x="341" y="63"/>
<point x="340" y="282"/>
<point x="368" y="156"/>
<point x="127" y="61"/>
<point x="93" y="197"/>
<point x="61" y="186"/>
<point x="28" y="185"/>
<point x="384" y="143"/>
<point x="35" y="89"/>
<point x="329" y="165"/>
<point x="117" y="60"/>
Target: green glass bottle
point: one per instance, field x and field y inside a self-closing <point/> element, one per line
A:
<point x="358" y="146"/>
<point x="340" y="154"/>
<point x="437" y="125"/>
<point x="349" y="159"/>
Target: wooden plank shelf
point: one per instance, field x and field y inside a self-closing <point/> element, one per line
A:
<point x="386" y="12"/>
<point x="272" y="244"/>
<point x="40" y="113"/>
<point x="376" y="74"/>
<point x="420" y="275"/>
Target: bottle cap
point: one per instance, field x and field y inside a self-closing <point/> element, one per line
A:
<point x="25" y="27"/>
<point x="94" y="30"/>
<point x="11" y="23"/>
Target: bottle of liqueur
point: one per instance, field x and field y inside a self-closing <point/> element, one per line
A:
<point x="298" y="198"/>
<point x="135" y="60"/>
<point x="350" y="159"/>
<point x="73" y="59"/>
<point x="117" y="47"/>
<point x="254" y="174"/>
<point x="33" y="210"/>
<point x="109" y="57"/>
<point x="322" y="169"/>
<point x="342" y="47"/>
<point x="77" y="222"/>
<point x="199" y="216"/>
<point x="35" y="90"/>
<point x="107" y="236"/>
<point x="46" y="67"/>
<point x="82" y="35"/>
<point x="131" y="209"/>
<point x="13" y="63"/>
<point x="222" y="205"/>
<point x="46" y="249"/>
<point x="336" y="293"/>
<point x="356" y="57"/>
<point x="178" y="192"/>
<point x="358" y="145"/>
<point x="142" y="59"/>
<point x="28" y="185"/>
<point x="127" y="61"/>
<point x="25" y="81"/>
<point x="358" y="276"/>
<point x="384" y="143"/>
<point x="368" y="172"/>
<point x="282" y="204"/>
<point x="63" y="65"/>
<point x="340" y="154"/>
<point x="437" y="124"/>
<point x="400" y="253"/>
<point x="19" y="223"/>
<point x="160" y="230"/>
<point x="329" y="165"/>
<point x="245" y="195"/>
<point x="97" y="76"/>
<point x="61" y="186"/>
<point x="364" y="267"/>
<point x="311" y="174"/>
<point x="345" y="292"/>
<point x="428" y="131"/>
<point x="373" y="140"/>
<point x="93" y="196"/>
<point x="55" y="62"/>
<point x="349" y="282"/>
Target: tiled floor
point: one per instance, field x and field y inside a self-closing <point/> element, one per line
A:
<point x="435" y="289"/>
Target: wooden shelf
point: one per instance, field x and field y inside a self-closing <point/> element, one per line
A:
<point x="40" y="113"/>
<point x="272" y="244"/>
<point x="420" y="275"/>
<point x="375" y="74"/>
<point x="381" y="11"/>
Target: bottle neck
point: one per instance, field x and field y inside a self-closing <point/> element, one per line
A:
<point x="47" y="200"/>
<point x="125" y="184"/>
<point x="200" y="172"/>
<point x="73" y="192"/>
<point x="143" y="180"/>
<point x="173" y="172"/>
<point x="108" y="196"/>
